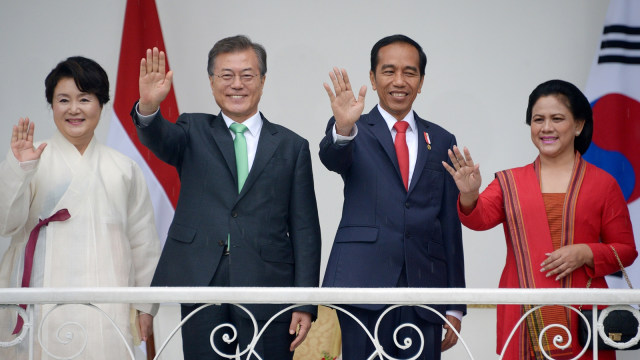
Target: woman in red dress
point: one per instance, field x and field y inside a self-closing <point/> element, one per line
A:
<point x="560" y="215"/>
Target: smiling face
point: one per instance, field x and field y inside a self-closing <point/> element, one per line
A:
<point x="75" y="113"/>
<point x="397" y="78"/>
<point x="238" y="99"/>
<point x="553" y="127"/>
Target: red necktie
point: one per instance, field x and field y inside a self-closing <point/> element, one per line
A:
<point x="402" y="151"/>
<point x="60" y="215"/>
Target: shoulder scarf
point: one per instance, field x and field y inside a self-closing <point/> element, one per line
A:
<point x="529" y="231"/>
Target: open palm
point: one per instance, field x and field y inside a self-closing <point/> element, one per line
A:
<point x="465" y="173"/>
<point x="346" y="108"/>
<point x="154" y="81"/>
<point x="22" y="141"/>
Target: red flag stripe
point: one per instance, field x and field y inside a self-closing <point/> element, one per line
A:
<point x="142" y="31"/>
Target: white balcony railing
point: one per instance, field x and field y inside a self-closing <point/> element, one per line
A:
<point x="317" y="296"/>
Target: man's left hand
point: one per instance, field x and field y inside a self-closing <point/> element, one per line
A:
<point x="450" y="338"/>
<point x="304" y="320"/>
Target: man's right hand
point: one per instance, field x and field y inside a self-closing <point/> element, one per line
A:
<point x="22" y="142"/>
<point x="154" y="81"/>
<point x="346" y="108"/>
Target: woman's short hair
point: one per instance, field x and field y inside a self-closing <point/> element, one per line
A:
<point x="86" y="73"/>
<point x="575" y="101"/>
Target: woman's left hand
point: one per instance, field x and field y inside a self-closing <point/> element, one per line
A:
<point x="145" y="322"/>
<point x="566" y="259"/>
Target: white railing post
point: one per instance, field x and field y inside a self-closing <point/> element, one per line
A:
<point x="30" y="322"/>
<point x="595" y="335"/>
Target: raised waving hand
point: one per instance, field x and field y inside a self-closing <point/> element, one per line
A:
<point x="22" y="141"/>
<point x="154" y="82"/>
<point x="466" y="174"/>
<point x="346" y="108"/>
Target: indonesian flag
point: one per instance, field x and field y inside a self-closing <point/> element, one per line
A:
<point x="613" y="89"/>
<point x="142" y="31"/>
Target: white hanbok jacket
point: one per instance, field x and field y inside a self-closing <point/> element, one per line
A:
<point x="109" y="240"/>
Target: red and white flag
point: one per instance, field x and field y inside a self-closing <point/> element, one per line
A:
<point x="142" y="31"/>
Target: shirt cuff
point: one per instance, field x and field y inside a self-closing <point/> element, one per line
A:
<point x="341" y="139"/>
<point x="455" y="313"/>
<point x="28" y="165"/>
<point x="145" y="120"/>
<point x="151" y="309"/>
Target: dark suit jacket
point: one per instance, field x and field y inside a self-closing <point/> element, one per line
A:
<point x="273" y="222"/>
<point x="384" y="227"/>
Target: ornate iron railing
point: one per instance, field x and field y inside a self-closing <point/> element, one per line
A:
<point x="317" y="296"/>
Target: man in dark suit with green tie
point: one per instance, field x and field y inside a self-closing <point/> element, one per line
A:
<point x="247" y="213"/>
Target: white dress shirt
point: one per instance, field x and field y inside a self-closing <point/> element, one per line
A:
<point x="252" y="134"/>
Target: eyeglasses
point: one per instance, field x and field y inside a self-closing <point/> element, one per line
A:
<point x="227" y="78"/>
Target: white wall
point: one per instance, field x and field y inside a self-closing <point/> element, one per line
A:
<point x="484" y="58"/>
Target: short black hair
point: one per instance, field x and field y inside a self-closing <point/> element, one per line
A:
<point x="394" y="39"/>
<point x="88" y="75"/>
<point x="575" y="101"/>
<point x="237" y="43"/>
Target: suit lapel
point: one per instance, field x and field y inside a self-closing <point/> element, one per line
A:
<point x="267" y="144"/>
<point x="381" y="132"/>
<point x="423" y="153"/>
<point x="224" y="141"/>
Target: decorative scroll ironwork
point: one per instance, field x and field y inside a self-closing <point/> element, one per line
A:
<point x="25" y="327"/>
<point x="558" y="340"/>
<point x="250" y="352"/>
<point x="62" y="334"/>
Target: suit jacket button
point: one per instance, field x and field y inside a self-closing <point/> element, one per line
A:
<point x="220" y="242"/>
<point x="407" y="205"/>
<point x="234" y="214"/>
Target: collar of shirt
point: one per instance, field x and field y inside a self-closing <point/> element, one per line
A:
<point x="253" y="124"/>
<point x="390" y="120"/>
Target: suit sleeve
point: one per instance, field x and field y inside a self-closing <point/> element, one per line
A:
<point x="452" y="235"/>
<point x="165" y="139"/>
<point x="304" y="225"/>
<point x="335" y="157"/>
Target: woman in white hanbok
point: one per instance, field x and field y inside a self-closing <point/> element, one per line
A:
<point x="109" y="239"/>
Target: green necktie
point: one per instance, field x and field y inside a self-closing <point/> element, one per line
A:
<point x="240" y="146"/>
<point x="242" y="160"/>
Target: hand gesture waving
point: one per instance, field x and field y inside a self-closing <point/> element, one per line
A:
<point x="346" y="108"/>
<point x="154" y="81"/>
<point x="22" y="141"/>
<point x="466" y="175"/>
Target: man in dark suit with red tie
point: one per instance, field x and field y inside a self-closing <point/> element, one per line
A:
<point x="399" y="225"/>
